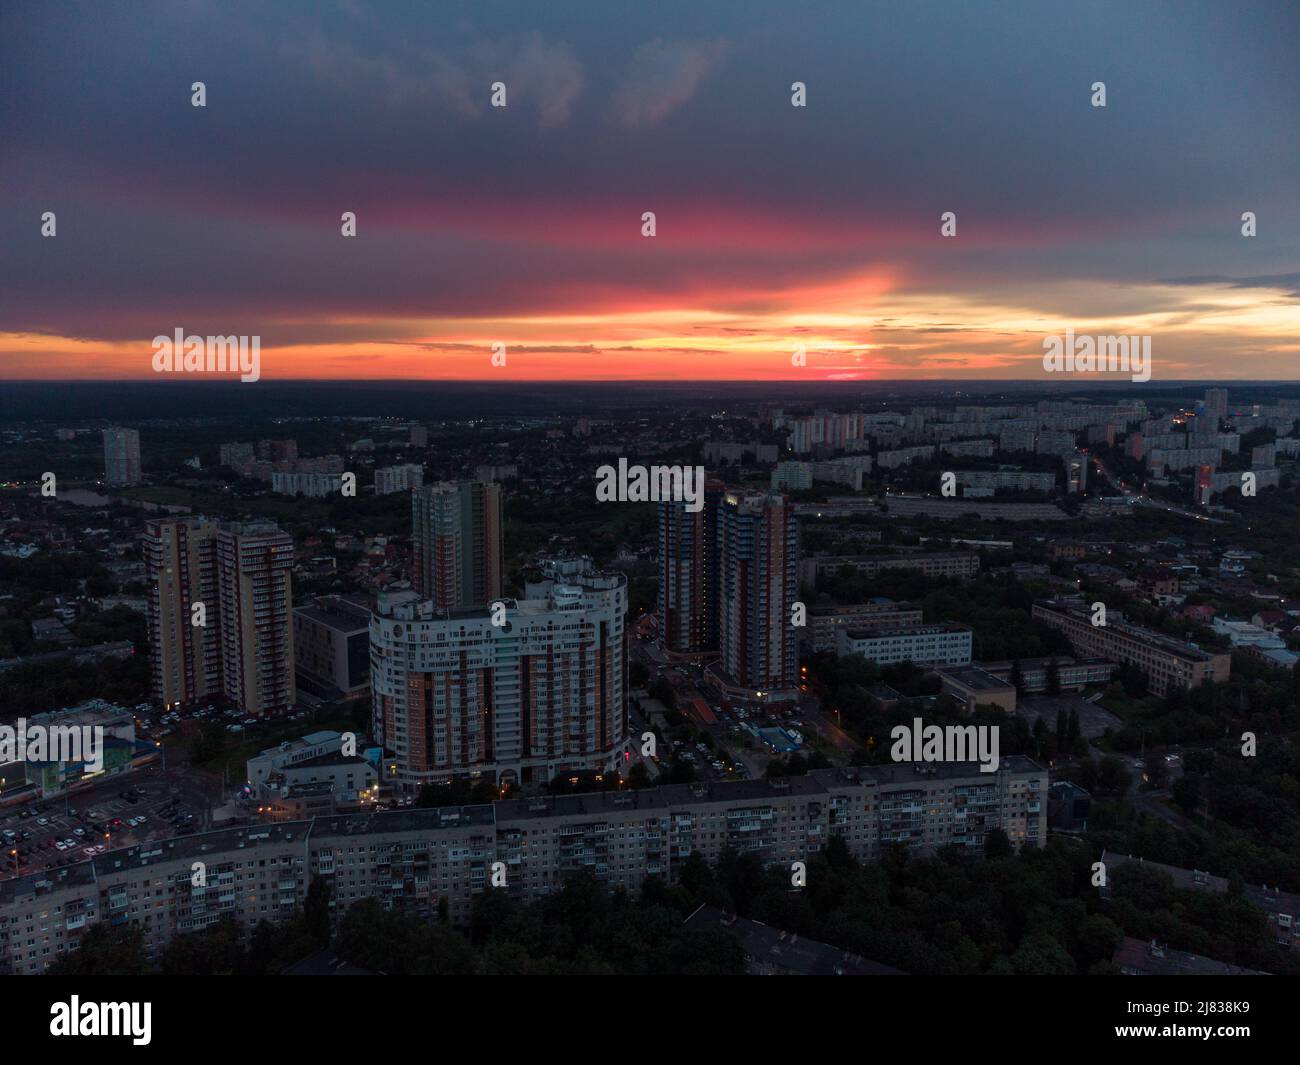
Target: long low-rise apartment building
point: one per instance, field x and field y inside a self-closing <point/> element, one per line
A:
<point x="940" y="644"/>
<point x="961" y="564"/>
<point x="1167" y="662"/>
<point x="1015" y="479"/>
<point x="412" y="859"/>
<point x="825" y="621"/>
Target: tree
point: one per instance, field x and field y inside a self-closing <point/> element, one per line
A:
<point x="215" y="951"/>
<point x="997" y="844"/>
<point x="106" y="950"/>
<point x="316" y="910"/>
<point x="1017" y="679"/>
<point x="1053" y="677"/>
<point x="1187" y="793"/>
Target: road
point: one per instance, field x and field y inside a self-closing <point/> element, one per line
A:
<point x="1144" y="499"/>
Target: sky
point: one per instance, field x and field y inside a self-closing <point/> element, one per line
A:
<point x="777" y="228"/>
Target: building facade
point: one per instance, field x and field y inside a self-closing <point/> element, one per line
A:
<point x="542" y="693"/>
<point x="758" y="587"/>
<point x="1167" y="662"/>
<point x="941" y="644"/>
<point x="331" y="647"/>
<point x="410" y="860"/>
<point x="689" y="574"/>
<point x="255" y="590"/>
<point x="457" y="542"/>
<point x="181" y="571"/>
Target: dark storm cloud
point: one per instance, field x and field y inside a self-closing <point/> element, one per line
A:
<point x="613" y="109"/>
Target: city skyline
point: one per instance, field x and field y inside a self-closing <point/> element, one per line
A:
<point x="776" y="225"/>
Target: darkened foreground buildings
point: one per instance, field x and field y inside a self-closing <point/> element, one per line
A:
<point x="412" y="859"/>
<point x="775" y="952"/>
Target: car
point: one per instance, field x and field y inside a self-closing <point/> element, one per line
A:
<point x="60" y="844"/>
<point x="141" y="819"/>
<point x="78" y="831"/>
<point x="42" y="820"/>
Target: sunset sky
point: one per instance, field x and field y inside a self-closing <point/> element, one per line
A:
<point x="777" y="226"/>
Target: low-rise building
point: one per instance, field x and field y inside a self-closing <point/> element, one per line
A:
<point x="972" y="686"/>
<point x="939" y="644"/>
<point x="331" y="647"/>
<point x="1167" y="662"/>
<point x="960" y="564"/>
<point x="825" y="621"/>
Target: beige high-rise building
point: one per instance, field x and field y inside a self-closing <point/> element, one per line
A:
<point x="540" y="693"/>
<point x="254" y="567"/>
<point x="184" y="618"/>
<point x="239" y="645"/>
<point x="457" y="542"/>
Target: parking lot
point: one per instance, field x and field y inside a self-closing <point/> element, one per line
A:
<point x="125" y="810"/>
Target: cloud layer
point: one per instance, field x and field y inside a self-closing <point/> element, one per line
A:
<point x="776" y="225"/>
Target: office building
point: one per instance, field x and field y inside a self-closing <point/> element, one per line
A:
<point x="331" y="647"/>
